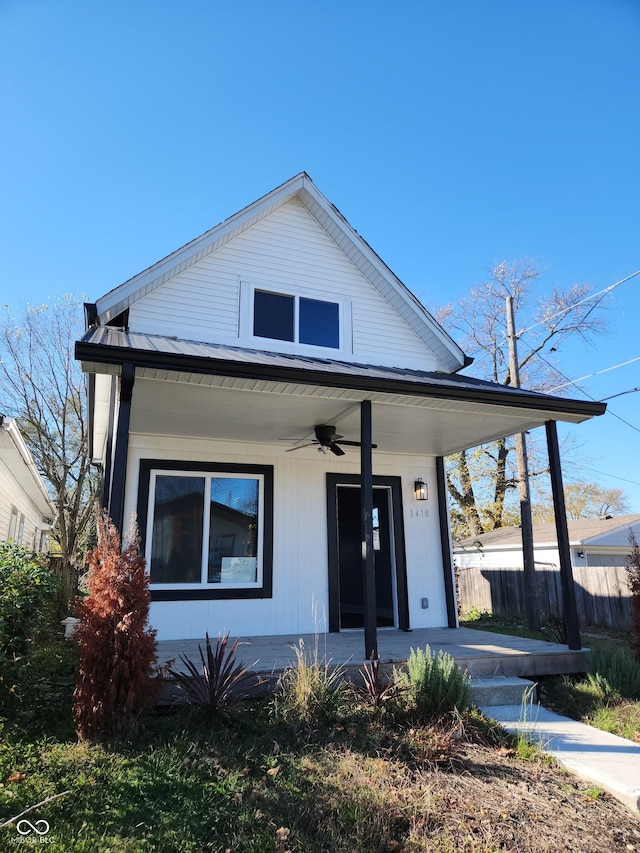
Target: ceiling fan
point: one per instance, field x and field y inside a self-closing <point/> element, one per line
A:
<point x="327" y="439"/>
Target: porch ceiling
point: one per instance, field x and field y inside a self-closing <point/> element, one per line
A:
<point x="284" y="414"/>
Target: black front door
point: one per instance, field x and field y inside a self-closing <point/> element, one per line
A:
<point x="350" y="558"/>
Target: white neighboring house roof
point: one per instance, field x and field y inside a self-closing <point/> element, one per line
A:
<point x="582" y="532"/>
<point x="15" y="454"/>
<point x="450" y="356"/>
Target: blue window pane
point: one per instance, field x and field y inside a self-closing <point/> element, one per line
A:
<point x="176" y="545"/>
<point x="273" y="316"/>
<point x="319" y="323"/>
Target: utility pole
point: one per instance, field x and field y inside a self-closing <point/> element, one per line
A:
<point x="530" y="580"/>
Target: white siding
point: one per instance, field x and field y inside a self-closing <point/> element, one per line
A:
<point x="288" y="249"/>
<point x="300" y="576"/>
<point x="12" y="495"/>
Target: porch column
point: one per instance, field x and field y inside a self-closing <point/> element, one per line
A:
<point x="566" y="573"/>
<point x="445" y="544"/>
<point x="105" y="489"/>
<point x="116" y="500"/>
<point x="366" y="518"/>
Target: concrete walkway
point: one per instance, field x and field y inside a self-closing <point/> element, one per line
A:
<point x="608" y="761"/>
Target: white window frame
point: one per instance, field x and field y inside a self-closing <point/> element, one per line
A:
<point x="13" y="523"/>
<point x="245" y="326"/>
<point x="207" y="476"/>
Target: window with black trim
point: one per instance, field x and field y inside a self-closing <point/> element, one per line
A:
<point x="297" y="319"/>
<point x="207" y="529"/>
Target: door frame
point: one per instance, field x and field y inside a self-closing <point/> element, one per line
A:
<point x="394" y="484"/>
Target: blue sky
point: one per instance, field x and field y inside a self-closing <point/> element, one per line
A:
<point x="451" y="134"/>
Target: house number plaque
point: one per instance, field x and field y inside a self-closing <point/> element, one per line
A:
<point x="419" y="513"/>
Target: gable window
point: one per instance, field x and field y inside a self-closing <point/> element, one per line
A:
<point x="208" y="529"/>
<point x="298" y="319"/>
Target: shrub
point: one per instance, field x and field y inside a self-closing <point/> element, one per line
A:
<point x="436" y="684"/>
<point x="117" y="675"/>
<point x="614" y="671"/>
<point x="221" y="680"/>
<point x="633" y="578"/>
<point x="311" y="690"/>
<point x="29" y="593"/>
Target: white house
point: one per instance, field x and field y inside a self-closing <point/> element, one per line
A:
<point x="26" y="510"/>
<point x="266" y="399"/>
<point x="593" y="542"/>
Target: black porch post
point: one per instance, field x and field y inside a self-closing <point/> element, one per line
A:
<point x="366" y="517"/>
<point x="116" y="500"/>
<point x="566" y="573"/>
<point x="445" y="544"/>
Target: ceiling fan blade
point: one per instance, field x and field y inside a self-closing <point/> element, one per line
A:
<point x="356" y="444"/>
<point x="300" y="446"/>
<point x="334" y="448"/>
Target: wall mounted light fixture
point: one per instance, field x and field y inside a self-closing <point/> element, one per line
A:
<point x="421" y="490"/>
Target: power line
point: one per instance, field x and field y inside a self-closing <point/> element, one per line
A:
<point x="614" y="476"/>
<point x="586" y="393"/>
<point x="600" y="293"/>
<point x="597" y="373"/>
<point x="620" y="394"/>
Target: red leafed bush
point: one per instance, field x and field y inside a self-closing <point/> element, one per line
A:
<point x="117" y="679"/>
<point x="633" y="578"/>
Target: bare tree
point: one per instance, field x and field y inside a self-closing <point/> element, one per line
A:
<point x="42" y="386"/>
<point x="480" y="480"/>
<point x="585" y="500"/>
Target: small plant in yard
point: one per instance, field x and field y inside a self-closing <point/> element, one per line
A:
<point x="311" y="688"/>
<point x="614" y="671"/>
<point x="527" y="747"/>
<point x="633" y="579"/>
<point x="220" y="681"/>
<point x="555" y="629"/>
<point x="117" y="678"/>
<point x="436" y="683"/>
<point x="375" y="688"/>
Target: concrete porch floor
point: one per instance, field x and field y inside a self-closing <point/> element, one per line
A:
<point x="480" y="652"/>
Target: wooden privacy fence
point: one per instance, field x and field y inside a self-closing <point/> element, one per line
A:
<point x="602" y="592"/>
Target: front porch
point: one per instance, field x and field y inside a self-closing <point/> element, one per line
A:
<point x="480" y="652"/>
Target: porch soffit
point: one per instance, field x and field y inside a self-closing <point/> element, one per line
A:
<point x="234" y="393"/>
<point x="269" y="412"/>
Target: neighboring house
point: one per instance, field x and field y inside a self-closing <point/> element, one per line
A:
<point x="490" y="569"/>
<point x="217" y="375"/>
<point x="26" y="511"/>
<point x="593" y="542"/>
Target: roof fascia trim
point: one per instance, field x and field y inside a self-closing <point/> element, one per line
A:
<point x="116" y="300"/>
<point x="459" y="359"/>
<point x="99" y="353"/>
<point x="10" y="426"/>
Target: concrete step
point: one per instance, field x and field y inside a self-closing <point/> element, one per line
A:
<point x="501" y="690"/>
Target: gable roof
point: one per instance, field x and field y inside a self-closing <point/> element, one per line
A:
<point x="16" y="456"/>
<point x="450" y="356"/>
<point x="581" y="532"/>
